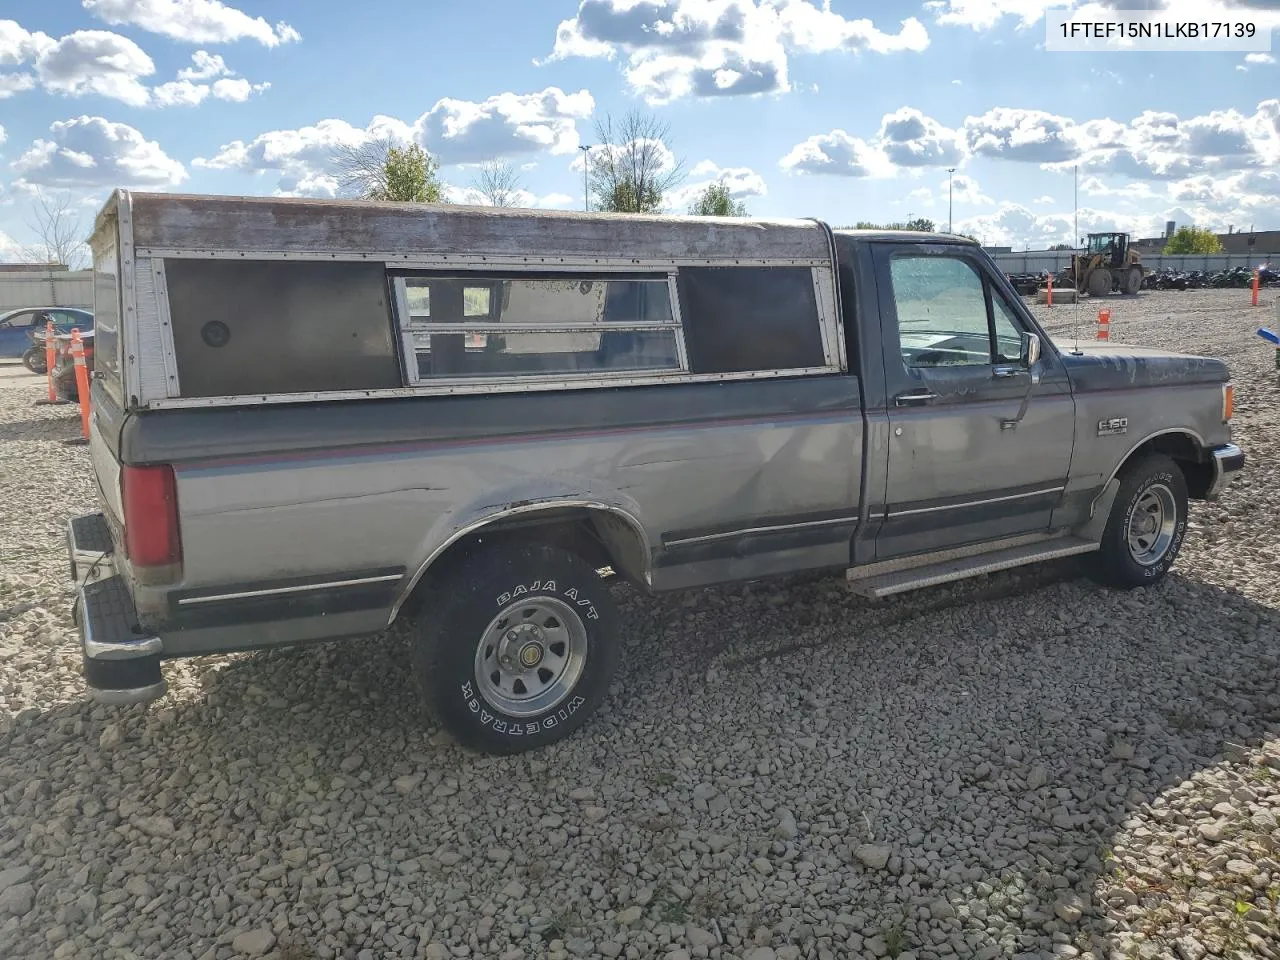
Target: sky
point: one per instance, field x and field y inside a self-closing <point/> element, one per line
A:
<point x="842" y="110"/>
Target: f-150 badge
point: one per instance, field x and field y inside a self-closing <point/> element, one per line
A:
<point x="1113" y="426"/>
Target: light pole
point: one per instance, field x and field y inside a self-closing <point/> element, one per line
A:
<point x="586" y="166"/>
<point x="950" y="171"/>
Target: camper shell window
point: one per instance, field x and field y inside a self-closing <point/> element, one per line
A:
<point x="523" y="326"/>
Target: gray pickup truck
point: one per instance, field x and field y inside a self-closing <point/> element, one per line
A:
<point x="312" y="418"/>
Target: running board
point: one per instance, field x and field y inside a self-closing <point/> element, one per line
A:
<point x="916" y="578"/>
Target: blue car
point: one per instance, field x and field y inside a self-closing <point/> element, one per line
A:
<point x="19" y="328"/>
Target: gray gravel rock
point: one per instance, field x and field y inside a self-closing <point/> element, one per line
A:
<point x="254" y="943"/>
<point x="873" y="855"/>
<point x="17" y="899"/>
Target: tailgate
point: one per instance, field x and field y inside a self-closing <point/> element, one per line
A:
<point x="104" y="444"/>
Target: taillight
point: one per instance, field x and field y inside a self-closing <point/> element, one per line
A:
<point x="151" y="536"/>
<point x="1228" y="401"/>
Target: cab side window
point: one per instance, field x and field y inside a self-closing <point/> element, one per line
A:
<point x="948" y="315"/>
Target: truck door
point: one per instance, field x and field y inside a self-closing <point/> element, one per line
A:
<point x="979" y="440"/>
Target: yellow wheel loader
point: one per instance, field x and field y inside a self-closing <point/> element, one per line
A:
<point x="1107" y="265"/>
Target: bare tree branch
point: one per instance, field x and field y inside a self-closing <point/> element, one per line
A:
<point x="57" y="226"/>
<point x="498" y="184"/>
<point x="633" y="168"/>
<point x="362" y="169"/>
<point x="381" y="169"/>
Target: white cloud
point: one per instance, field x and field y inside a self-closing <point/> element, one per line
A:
<point x="180" y="93"/>
<point x="508" y="124"/>
<point x="906" y="138"/>
<point x="743" y="183"/>
<point x="204" y="66"/>
<point x="10" y="250"/>
<point x="964" y="189"/>
<point x="95" y="61"/>
<point x="1135" y="190"/>
<point x="237" y="89"/>
<point x="1259" y="58"/>
<point x="1153" y="146"/>
<point x="94" y="152"/>
<point x="193" y="21"/>
<point x="985" y="14"/>
<point x="321" y="185"/>
<point x="106" y="64"/>
<point x="297" y="151"/>
<point x="1013" y="225"/>
<point x="454" y="131"/>
<point x="11" y="83"/>
<point x="1016" y="134"/>
<point x="911" y="139"/>
<point x="837" y="153"/>
<point x="1044" y="201"/>
<point x="715" y="48"/>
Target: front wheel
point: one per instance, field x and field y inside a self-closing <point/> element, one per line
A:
<point x="516" y="645"/>
<point x="1133" y="281"/>
<point x="1147" y="524"/>
<point x="34" y="360"/>
<point x="1100" y="282"/>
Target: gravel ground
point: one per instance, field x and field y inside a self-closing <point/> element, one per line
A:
<point x="1024" y="765"/>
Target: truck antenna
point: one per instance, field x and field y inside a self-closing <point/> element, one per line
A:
<point x="1075" y="237"/>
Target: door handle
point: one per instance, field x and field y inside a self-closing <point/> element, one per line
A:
<point x="1006" y="371"/>
<point x="914" y="399"/>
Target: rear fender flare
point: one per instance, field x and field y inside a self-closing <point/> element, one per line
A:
<point x="455" y="526"/>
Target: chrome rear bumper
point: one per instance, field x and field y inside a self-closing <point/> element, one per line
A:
<point x="121" y="662"/>
<point x="1228" y="460"/>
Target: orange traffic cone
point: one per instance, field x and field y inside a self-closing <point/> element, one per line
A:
<point x="1104" y="324"/>
<point x="82" y="384"/>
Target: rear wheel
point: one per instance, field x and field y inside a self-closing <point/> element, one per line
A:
<point x="516" y="645"/>
<point x="1147" y="524"/>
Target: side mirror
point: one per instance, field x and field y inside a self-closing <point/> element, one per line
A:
<point x="1030" y="350"/>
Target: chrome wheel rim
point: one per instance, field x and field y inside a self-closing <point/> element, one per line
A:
<point x="531" y="656"/>
<point x="1151" y="524"/>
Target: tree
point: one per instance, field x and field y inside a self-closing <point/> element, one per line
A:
<point x="57" y="226"/>
<point x="1193" y="240"/>
<point x="1062" y="246"/>
<point x="382" y="170"/>
<point x="717" y="201"/>
<point x="498" y="184"/>
<point x="913" y="223"/>
<point x="632" y="167"/>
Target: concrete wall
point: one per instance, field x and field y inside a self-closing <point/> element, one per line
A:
<point x="1056" y="262"/>
<point x="46" y="288"/>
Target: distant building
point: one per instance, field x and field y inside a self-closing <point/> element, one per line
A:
<point x="998" y="249"/>
<point x="1264" y="241"/>
<point x="1233" y="241"/>
<point x="31" y="267"/>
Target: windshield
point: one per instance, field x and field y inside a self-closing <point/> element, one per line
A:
<point x="1102" y="243"/>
